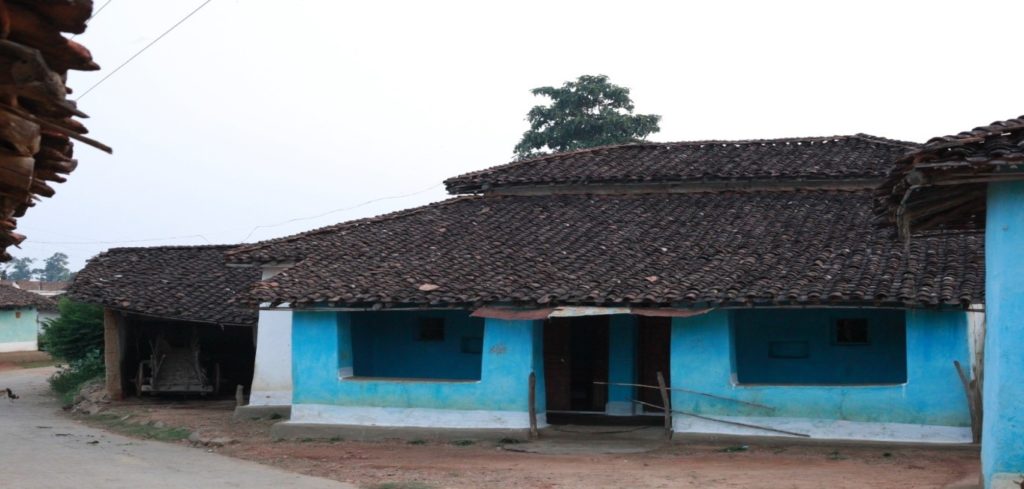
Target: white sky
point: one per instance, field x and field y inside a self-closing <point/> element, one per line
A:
<point x="254" y="112"/>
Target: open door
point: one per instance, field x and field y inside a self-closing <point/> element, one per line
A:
<point x="653" y="351"/>
<point x="575" y="356"/>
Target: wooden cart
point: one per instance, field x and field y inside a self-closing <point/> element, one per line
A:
<point x="176" y="370"/>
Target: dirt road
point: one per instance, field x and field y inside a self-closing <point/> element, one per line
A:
<point x="41" y="449"/>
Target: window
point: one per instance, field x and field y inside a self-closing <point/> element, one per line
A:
<point x="819" y="347"/>
<point x="430" y="345"/>
<point x="851" y="331"/>
<point x="431" y="329"/>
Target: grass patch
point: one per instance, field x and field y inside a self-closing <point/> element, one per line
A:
<point x="276" y="416"/>
<point x="509" y="441"/>
<point x="70" y="378"/>
<point x="122" y="425"/>
<point x="417" y="442"/>
<point x="463" y="443"/>
<point x="401" y="485"/>
<point x="836" y="456"/>
<point x="734" y="449"/>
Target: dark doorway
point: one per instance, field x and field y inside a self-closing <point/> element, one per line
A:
<point x="653" y="352"/>
<point x="575" y="356"/>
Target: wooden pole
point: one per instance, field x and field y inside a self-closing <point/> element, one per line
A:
<point x="112" y="353"/>
<point x="973" y="402"/>
<point x="533" y="406"/>
<point x="699" y="393"/>
<point x="239" y="395"/>
<point x="668" y="407"/>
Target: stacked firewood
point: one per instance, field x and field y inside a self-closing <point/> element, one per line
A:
<point x="36" y="115"/>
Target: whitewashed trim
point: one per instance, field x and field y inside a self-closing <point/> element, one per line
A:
<point x="19" y="346"/>
<point x="270" y="398"/>
<point x="826" y="429"/>
<point x="412" y="417"/>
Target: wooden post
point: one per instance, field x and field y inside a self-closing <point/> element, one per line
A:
<point x="112" y="353"/>
<point x="239" y="395"/>
<point x="665" y="402"/>
<point x="973" y="402"/>
<point x="533" y="406"/>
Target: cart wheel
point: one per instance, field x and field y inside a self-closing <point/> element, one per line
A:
<point x="216" y="378"/>
<point x="138" y="380"/>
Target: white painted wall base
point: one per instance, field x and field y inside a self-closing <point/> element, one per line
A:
<point x="1006" y="480"/>
<point x="272" y="374"/>
<point x="412" y="417"/>
<point x="619" y="408"/>
<point x="826" y="429"/>
<point x="270" y="398"/>
<point x="19" y="346"/>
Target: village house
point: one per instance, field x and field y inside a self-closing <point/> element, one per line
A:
<point x="751" y="276"/>
<point x="19" y="318"/>
<point x="169" y="324"/>
<point x="961" y="184"/>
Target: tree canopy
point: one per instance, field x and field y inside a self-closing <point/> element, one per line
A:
<point x="55" y="269"/>
<point x="584" y="113"/>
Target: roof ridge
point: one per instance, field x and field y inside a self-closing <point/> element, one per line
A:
<point x="648" y="144"/>
<point x="243" y="248"/>
<point x="172" y="247"/>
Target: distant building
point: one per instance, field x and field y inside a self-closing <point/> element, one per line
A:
<point x="20" y="322"/>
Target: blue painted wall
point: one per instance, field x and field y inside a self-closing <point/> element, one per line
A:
<point x="15" y="329"/>
<point x="881" y="361"/>
<point x="387" y="344"/>
<point x="1002" y="445"/>
<point x="702" y="360"/>
<point x="622" y="361"/>
<point x="321" y="345"/>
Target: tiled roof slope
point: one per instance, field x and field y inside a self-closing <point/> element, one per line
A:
<point x="819" y="158"/>
<point x="946" y="177"/>
<point x="13" y="298"/>
<point x="726" y="248"/>
<point x="188" y="283"/>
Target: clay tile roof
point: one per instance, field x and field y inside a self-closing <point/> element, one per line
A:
<point x="730" y="248"/>
<point x="817" y="158"/>
<point x="188" y="283"/>
<point x="37" y="116"/>
<point x="941" y="186"/>
<point x="13" y="297"/>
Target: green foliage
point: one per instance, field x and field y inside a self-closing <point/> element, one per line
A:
<point x="584" y="113"/>
<point x="70" y="378"/>
<point x="76" y="333"/>
<point x="20" y="269"/>
<point x="55" y="268"/>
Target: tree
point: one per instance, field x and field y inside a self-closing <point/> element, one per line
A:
<point x="55" y="268"/>
<point x="76" y="332"/>
<point x="584" y="113"/>
<point x="20" y="269"/>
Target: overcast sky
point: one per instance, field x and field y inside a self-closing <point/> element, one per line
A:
<point x="257" y="112"/>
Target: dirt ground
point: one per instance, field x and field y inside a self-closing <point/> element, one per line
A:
<point x="425" y="464"/>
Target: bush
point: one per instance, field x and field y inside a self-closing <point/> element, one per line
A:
<point x="70" y="378"/>
<point x="76" y="334"/>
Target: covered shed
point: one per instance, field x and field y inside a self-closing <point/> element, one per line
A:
<point x="750" y="274"/>
<point x="171" y="304"/>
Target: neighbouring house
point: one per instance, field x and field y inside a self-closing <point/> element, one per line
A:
<point x="751" y="275"/>
<point x="19" y="318"/>
<point x="961" y="184"/>
<point x="169" y="324"/>
<point x="36" y="114"/>
<point x="52" y="290"/>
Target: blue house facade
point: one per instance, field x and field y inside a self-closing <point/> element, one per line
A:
<point x="973" y="182"/>
<point x="751" y="276"/>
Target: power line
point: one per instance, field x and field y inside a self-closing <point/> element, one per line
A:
<point x="154" y="41"/>
<point x="341" y="209"/>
